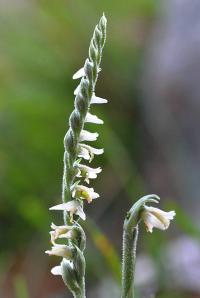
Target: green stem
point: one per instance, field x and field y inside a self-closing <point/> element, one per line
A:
<point x="130" y="237"/>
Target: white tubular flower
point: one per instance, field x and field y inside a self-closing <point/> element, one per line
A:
<point x="87" y="172"/>
<point x="85" y="193"/>
<point x="73" y="207"/>
<point x="56" y="270"/>
<point x="60" y="250"/>
<point x="79" y="74"/>
<point x="88" y="136"/>
<point x="154" y="217"/>
<point x="60" y="232"/>
<point x="93" y="119"/>
<point x="87" y="152"/>
<point x="97" y="100"/>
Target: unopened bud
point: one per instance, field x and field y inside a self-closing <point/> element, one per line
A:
<point x="69" y="276"/>
<point x="79" y="264"/>
<point x="75" y="121"/>
<point x="88" y="68"/>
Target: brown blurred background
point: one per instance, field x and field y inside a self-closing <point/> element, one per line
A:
<point x="150" y="74"/>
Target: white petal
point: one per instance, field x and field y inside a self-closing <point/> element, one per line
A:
<point x="97" y="151"/>
<point x="93" y="119"/>
<point x="151" y="221"/>
<point x="88" y="136"/>
<point x="56" y="270"/>
<point x="76" y="91"/>
<point x="84" y="153"/>
<point x="98" y="100"/>
<point x="60" y="250"/>
<point x="161" y="215"/>
<point x="81" y="213"/>
<point x="87" y="152"/>
<point x="69" y="206"/>
<point x="67" y="235"/>
<point x="95" y="195"/>
<point x="170" y="214"/>
<point x="79" y="74"/>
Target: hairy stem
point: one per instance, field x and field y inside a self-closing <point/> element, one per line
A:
<point x="130" y="237"/>
<point x="129" y="258"/>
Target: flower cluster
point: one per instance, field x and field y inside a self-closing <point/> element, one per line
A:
<point x="74" y="192"/>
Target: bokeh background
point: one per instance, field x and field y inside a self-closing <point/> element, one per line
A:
<point x="151" y="75"/>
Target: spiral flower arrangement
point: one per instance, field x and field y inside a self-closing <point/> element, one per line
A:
<point x="75" y="192"/>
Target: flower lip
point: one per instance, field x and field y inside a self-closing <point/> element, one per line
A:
<point x="98" y="100"/>
<point x="88" y="136"/>
<point x="93" y="119"/>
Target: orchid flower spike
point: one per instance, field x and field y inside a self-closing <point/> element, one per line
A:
<point x="72" y="266"/>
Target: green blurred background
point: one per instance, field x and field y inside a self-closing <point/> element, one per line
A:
<point x="150" y="137"/>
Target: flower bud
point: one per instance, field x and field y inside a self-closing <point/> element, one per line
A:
<point x="84" y="88"/>
<point x="102" y="27"/>
<point x="81" y="104"/>
<point x="69" y="142"/>
<point x="79" y="237"/>
<point x="92" y="52"/>
<point x="79" y="264"/>
<point x="98" y="37"/>
<point x="69" y="276"/>
<point x="88" y="68"/>
<point x="75" y="121"/>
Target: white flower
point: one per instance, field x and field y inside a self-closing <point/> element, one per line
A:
<point x="56" y="270"/>
<point x="98" y="100"/>
<point x="93" y="119"/>
<point x="83" y="192"/>
<point x="87" y="152"/>
<point x="60" y="250"/>
<point x="73" y="207"/>
<point x="60" y="232"/>
<point x="88" y="136"/>
<point x="79" y="74"/>
<point x="87" y="172"/>
<point x="154" y="217"/>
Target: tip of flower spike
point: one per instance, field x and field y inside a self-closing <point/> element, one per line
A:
<point x="104" y="17"/>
